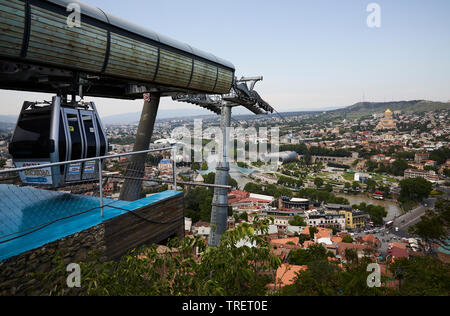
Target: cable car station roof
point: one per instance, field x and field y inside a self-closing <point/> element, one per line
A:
<point x="107" y="56"/>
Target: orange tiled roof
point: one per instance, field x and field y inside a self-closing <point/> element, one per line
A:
<point x="308" y="244"/>
<point x="370" y="239"/>
<point x="305" y="231"/>
<point x="284" y="241"/>
<point x="344" y="246"/>
<point x="323" y="233"/>
<point x="287" y="274"/>
<point x="397" y="245"/>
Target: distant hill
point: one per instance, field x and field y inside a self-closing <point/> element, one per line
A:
<point x="131" y="118"/>
<point x="9" y="119"/>
<point x="361" y="109"/>
<point x="7" y="123"/>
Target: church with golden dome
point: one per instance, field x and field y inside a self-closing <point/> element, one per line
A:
<point x="387" y="123"/>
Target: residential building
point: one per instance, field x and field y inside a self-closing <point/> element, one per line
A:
<point x="327" y="220"/>
<point x="355" y="219"/>
<point x="421" y="157"/>
<point x="429" y="175"/>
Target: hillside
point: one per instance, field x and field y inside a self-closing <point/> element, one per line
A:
<point x="361" y="109"/>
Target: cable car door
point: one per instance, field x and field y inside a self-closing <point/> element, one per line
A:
<point x="90" y="168"/>
<point x="76" y="144"/>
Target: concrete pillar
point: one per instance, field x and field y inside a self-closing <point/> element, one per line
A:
<point x="219" y="213"/>
<point x="132" y="189"/>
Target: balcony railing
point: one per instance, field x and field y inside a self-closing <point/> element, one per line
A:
<point x="25" y="207"/>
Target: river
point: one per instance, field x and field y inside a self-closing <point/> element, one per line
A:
<point x="392" y="207"/>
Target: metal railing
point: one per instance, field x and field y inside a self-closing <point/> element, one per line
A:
<point x="99" y="161"/>
<point x="25" y="207"/>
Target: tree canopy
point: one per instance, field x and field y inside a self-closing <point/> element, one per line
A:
<point x="227" y="270"/>
<point x="415" y="189"/>
<point x="297" y="221"/>
<point x="377" y="213"/>
<point x="435" y="225"/>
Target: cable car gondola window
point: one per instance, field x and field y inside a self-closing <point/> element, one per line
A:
<point x="31" y="137"/>
<point x="62" y="143"/>
<point x="75" y="136"/>
<point x="102" y="138"/>
<point x="90" y="136"/>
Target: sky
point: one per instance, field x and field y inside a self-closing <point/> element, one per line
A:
<point x="313" y="54"/>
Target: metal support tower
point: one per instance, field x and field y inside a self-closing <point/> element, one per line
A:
<point x="241" y="94"/>
<point x="132" y="189"/>
<point x="219" y="212"/>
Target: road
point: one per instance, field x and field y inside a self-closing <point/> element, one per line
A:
<point x="413" y="217"/>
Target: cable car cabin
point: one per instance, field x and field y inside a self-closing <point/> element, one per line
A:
<point x="50" y="133"/>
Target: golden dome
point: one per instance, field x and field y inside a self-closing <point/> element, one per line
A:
<point x="388" y="111"/>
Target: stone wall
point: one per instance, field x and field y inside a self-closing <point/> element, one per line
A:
<point x="15" y="272"/>
<point x="108" y="241"/>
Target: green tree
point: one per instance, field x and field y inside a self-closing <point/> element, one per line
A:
<point x="244" y="216"/>
<point x="196" y="201"/>
<point x="206" y="208"/>
<point x="226" y="270"/>
<point x="312" y="254"/>
<point x="210" y="178"/>
<point x="447" y="173"/>
<point x="318" y="182"/>
<point x="435" y="225"/>
<point x="398" y="167"/>
<point x="422" y="276"/>
<point x="312" y="231"/>
<point x="347" y="239"/>
<point x="356" y="186"/>
<point x="253" y="188"/>
<point x="325" y="278"/>
<point x="440" y="155"/>
<point x="377" y="213"/>
<point x="371" y="185"/>
<point x="205" y="166"/>
<point x="297" y="221"/>
<point x="415" y="189"/>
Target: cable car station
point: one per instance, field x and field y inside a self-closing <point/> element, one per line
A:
<point x="110" y="58"/>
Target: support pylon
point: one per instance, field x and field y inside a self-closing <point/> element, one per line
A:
<point x="219" y="212"/>
<point x="132" y="189"/>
